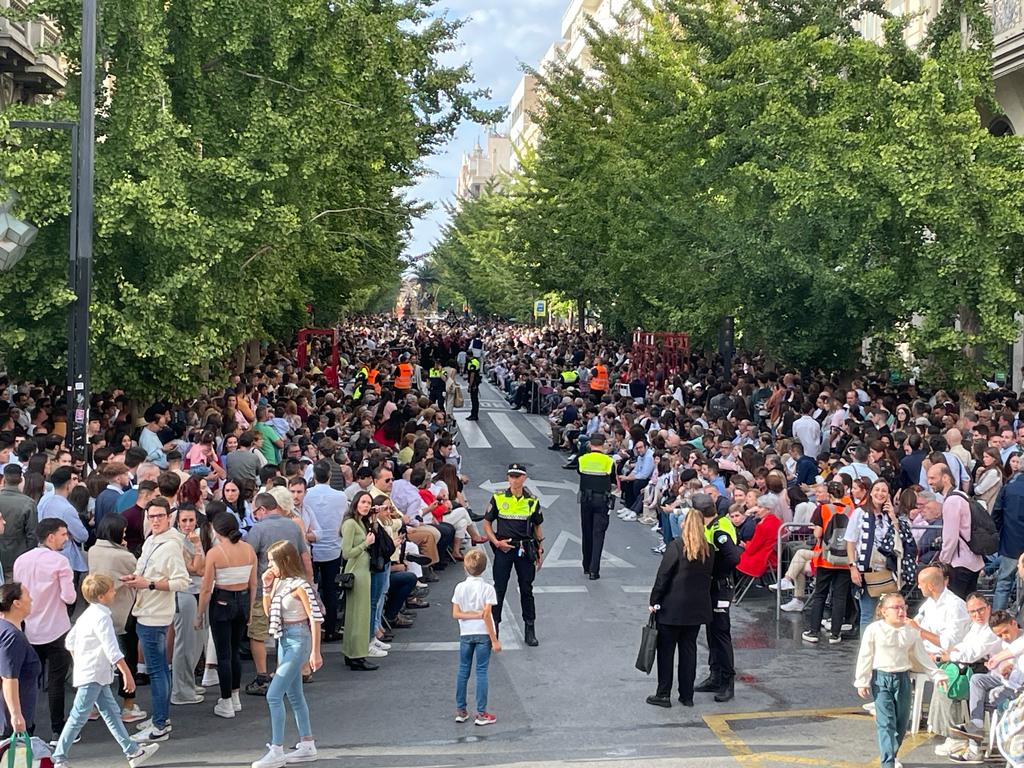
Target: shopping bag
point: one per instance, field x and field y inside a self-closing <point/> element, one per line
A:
<point x="19" y="752"/>
<point x="459" y="402"/>
<point x="648" y="647"/>
<point x="959" y="676"/>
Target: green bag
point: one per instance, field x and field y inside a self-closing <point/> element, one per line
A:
<point x="959" y="680"/>
<point x="19" y="751"/>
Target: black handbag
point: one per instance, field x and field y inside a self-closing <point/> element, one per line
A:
<point x="648" y="647"/>
<point x="346" y="580"/>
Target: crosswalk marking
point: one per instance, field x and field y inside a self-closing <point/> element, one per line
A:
<point x="510" y="431"/>
<point x="541" y="424"/>
<point x="635" y="590"/>
<point x="473" y="435"/>
<point x="559" y="590"/>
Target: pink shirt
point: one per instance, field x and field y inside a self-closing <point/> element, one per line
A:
<point x="956" y="532"/>
<point x="48" y="577"/>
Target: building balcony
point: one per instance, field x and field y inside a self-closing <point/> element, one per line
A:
<point x="26" y="52"/>
<point x="1008" y="34"/>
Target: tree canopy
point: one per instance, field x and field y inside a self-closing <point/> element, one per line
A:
<point x="251" y="159"/>
<point x="761" y="160"/>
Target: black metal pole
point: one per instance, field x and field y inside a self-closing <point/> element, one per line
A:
<point x="78" y="342"/>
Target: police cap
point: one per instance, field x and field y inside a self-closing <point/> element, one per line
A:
<point x="516" y="469"/>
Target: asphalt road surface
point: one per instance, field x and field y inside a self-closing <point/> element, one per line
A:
<point x="576" y="699"/>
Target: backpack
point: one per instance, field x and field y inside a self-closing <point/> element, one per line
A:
<point x="984" y="538"/>
<point x="833" y="543"/>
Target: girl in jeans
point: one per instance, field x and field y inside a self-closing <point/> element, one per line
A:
<point x="228" y="589"/>
<point x="93" y="643"/>
<point x="294" y="614"/>
<point x="471" y="605"/>
<point x="889" y="651"/>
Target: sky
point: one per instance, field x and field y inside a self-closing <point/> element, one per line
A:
<point x="500" y="36"/>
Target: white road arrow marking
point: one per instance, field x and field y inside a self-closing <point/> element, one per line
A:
<point x="554" y="559"/>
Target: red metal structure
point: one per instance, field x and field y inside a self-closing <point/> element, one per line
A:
<point x="659" y="351"/>
<point x="302" y="348"/>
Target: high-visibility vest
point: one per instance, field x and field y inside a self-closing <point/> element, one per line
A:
<point x="436" y="373"/>
<point x="595" y="470"/>
<point x="473" y="364"/>
<point x="569" y="377"/>
<point x="404" y="378"/>
<point x="720" y="524"/>
<point x="371" y="379"/>
<point x="511" y="507"/>
<point x="600" y="381"/>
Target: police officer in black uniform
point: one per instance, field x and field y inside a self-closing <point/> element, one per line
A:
<point x="473" y="378"/>
<point x="722" y="536"/>
<point x="512" y="524"/>
<point x="597" y="473"/>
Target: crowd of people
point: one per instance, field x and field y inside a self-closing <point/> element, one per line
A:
<point x="318" y="504"/>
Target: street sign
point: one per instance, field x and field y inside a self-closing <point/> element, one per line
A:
<point x="540" y="308"/>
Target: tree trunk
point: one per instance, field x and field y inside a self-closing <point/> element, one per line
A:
<point x="581" y="312"/>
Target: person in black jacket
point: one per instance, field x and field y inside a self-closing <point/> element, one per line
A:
<point x="681" y="601"/>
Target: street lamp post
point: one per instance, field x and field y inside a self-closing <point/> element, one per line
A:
<point x="80" y="225"/>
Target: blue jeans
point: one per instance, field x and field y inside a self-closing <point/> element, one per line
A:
<point x="293" y="649"/>
<point x="675" y="523"/>
<point x="154" y="646"/>
<point x="103" y="699"/>
<point x="378" y="588"/>
<point x="892" y="712"/>
<point x="868" y="604"/>
<point x="665" y="523"/>
<point x="1006" y="578"/>
<point x="481" y="645"/>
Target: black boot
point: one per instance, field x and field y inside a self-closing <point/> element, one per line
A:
<point x="531" y="636"/>
<point x="709" y="684"/>
<point x="726" y="692"/>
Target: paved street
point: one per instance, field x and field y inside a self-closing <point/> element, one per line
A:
<point x="576" y="698"/>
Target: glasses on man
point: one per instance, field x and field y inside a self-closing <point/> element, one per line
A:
<point x="156" y="516"/>
<point x="388" y="479"/>
<point x="977" y="611"/>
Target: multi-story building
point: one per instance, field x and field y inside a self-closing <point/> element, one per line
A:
<point x="483" y="167"/>
<point x="1008" y="71"/>
<point x="28" y="67"/>
<point x="523" y="130"/>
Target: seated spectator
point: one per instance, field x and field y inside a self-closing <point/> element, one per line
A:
<point x="759" y="554"/>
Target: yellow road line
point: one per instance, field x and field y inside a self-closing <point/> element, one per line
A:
<point x="719" y="725"/>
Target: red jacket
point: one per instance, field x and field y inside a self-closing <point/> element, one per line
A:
<point x="760" y="554"/>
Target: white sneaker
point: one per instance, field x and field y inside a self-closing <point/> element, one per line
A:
<point x="133" y="715"/>
<point x="793" y="606"/>
<point x="846" y="628"/>
<point x="223" y="708"/>
<point x="950" y="747"/>
<point x="200" y="691"/>
<point x="152" y="733"/>
<point x="869" y="708"/>
<point x="143" y="755"/>
<point x="236" y="702"/>
<point x="148" y="723"/>
<point x="273" y="759"/>
<point x="628" y="518"/>
<point x="826" y="624"/>
<point x="785" y="585"/>
<point x="211" y="677"/>
<point x="381" y="645"/>
<point x="376" y="653"/>
<point x="182" y="702"/>
<point x="304" y="752"/>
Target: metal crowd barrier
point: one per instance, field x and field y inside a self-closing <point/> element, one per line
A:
<point x="804" y="534"/>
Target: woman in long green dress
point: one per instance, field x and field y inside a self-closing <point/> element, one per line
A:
<point x="356" y="538"/>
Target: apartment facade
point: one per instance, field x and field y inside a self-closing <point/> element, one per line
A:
<point x="29" y="69"/>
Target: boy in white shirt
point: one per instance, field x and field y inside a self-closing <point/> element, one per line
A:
<point x="472" y="603"/>
<point x="93" y="644"/>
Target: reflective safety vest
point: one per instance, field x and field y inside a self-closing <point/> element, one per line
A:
<point x="473" y="364"/>
<point x="365" y="374"/>
<point x="357" y="393"/>
<point x="569" y="377"/>
<point x="595" y="470"/>
<point x="371" y="379"/>
<point x="515" y="509"/>
<point x="600" y="381"/>
<point x="404" y="378"/>
<point x="720" y="524"/>
<point x="436" y="373"/>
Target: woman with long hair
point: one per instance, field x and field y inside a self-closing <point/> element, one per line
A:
<point x="293" y="611"/>
<point x="681" y="603"/>
<point x="989" y="478"/>
<point x="356" y="539"/>
<point x="227" y="590"/>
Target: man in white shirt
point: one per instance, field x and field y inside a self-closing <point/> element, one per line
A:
<point x="942" y="620"/>
<point x="808" y="431"/>
<point x="978" y="644"/>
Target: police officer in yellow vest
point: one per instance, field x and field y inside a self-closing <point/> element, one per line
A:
<point x="473" y="377"/>
<point x="512" y="524"/>
<point x="435" y="385"/>
<point x="721" y="535"/>
<point x="597" y="474"/>
<point x="360" y="387"/>
<point x="569" y="377"/>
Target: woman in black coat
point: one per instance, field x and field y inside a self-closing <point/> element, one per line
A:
<point x="681" y="599"/>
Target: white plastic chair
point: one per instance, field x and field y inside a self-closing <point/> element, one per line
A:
<point x="919" y="682"/>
